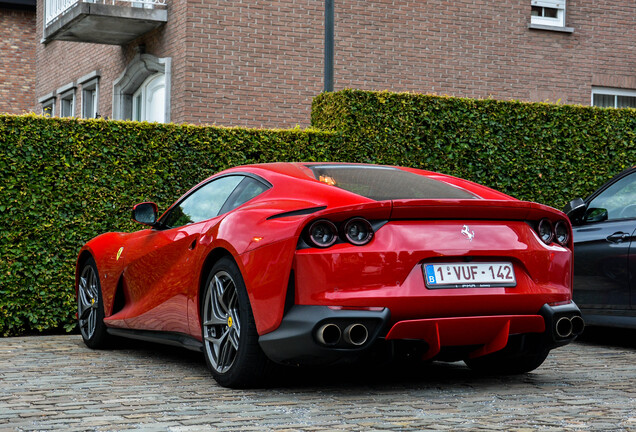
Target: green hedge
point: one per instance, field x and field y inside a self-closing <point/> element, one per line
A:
<point x="64" y="181"/>
<point x="532" y="151"/>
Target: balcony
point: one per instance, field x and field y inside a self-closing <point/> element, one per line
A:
<point x="110" y="22"/>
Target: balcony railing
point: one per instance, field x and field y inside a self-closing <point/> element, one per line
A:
<point x="110" y="22"/>
<point x="54" y="9"/>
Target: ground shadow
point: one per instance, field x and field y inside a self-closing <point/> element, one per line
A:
<point x="356" y="376"/>
<point x="609" y="336"/>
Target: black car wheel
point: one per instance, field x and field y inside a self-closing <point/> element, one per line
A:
<point x="90" y="307"/>
<point x="230" y="339"/>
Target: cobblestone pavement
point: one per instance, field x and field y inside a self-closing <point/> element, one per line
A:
<point x="56" y="383"/>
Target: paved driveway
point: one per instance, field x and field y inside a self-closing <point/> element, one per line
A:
<point x="56" y="383"/>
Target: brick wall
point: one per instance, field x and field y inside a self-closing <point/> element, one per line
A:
<point x="259" y="63"/>
<point x="483" y="49"/>
<point x="254" y="63"/>
<point x="17" y="60"/>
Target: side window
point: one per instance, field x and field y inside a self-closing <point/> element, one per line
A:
<point x="204" y="203"/>
<point x="616" y="202"/>
<point x="248" y="189"/>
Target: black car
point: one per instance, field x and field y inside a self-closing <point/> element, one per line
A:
<point x="604" y="230"/>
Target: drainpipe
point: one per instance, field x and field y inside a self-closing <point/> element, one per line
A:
<point x="329" y="45"/>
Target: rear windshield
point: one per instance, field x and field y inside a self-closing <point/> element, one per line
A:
<point x="386" y="183"/>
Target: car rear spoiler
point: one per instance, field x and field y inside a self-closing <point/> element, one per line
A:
<point x="471" y="209"/>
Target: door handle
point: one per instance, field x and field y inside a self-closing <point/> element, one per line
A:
<point x="617" y="237"/>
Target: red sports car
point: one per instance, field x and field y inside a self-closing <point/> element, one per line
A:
<point x="319" y="263"/>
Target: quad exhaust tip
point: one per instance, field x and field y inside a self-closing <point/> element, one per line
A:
<point x="563" y="327"/>
<point x="330" y="334"/>
<point x="355" y="334"/>
<point x="568" y="326"/>
<point x="578" y="325"/>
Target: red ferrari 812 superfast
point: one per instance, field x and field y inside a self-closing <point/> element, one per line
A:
<point x="321" y="263"/>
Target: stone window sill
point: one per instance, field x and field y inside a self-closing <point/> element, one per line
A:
<point x="551" y="28"/>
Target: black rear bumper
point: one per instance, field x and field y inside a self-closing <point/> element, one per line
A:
<point x="554" y="317"/>
<point x="299" y="339"/>
<point x="296" y="340"/>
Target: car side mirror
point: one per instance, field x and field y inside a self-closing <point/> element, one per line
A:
<point x="145" y="213"/>
<point x="575" y="210"/>
<point x="596" y="215"/>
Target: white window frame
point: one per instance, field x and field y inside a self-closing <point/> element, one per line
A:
<point x="610" y="91"/>
<point x="548" y="23"/>
<point x="89" y="102"/>
<point x="559" y="5"/>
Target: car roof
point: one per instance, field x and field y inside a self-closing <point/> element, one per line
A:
<point x="278" y="172"/>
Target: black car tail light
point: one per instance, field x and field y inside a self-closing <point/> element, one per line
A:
<point x="322" y="233"/>
<point x="358" y="231"/>
<point x="545" y="230"/>
<point x="562" y="233"/>
<point x="549" y="232"/>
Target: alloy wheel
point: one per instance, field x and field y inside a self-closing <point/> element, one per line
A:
<point x="87" y="304"/>
<point x="221" y="322"/>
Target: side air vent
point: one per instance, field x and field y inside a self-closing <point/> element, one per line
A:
<point x="300" y="212"/>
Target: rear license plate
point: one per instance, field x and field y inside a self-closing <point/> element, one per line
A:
<point x="469" y="275"/>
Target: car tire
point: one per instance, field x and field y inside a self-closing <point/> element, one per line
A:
<point x="502" y="363"/>
<point x="230" y="339"/>
<point x="90" y="307"/>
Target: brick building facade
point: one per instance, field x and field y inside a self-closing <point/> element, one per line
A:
<point x="17" y="56"/>
<point x="259" y="63"/>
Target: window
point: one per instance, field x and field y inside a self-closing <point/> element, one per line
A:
<point x="142" y="91"/>
<point x="616" y="202"/>
<point x="613" y="98"/>
<point x="386" y="183"/>
<point x="149" y="101"/>
<point x="48" y="104"/>
<point x="48" y="107"/>
<point x="90" y="95"/>
<point x="67" y="105"/>
<point x="67" y="100"/>
<point x="202" y="204"/>
<point x="89" y="103"/>
<point x="545" y="12"/>
<point x="548" y="15"/>
<point x="214" y="198"/>
<point x="245" y="191"/>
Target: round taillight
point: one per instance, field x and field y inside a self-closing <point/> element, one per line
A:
<point x="358" y="231"/>
<point x="561" y="233"/>
<point x="545" y="230"/>
<point x="322" y="233"/>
